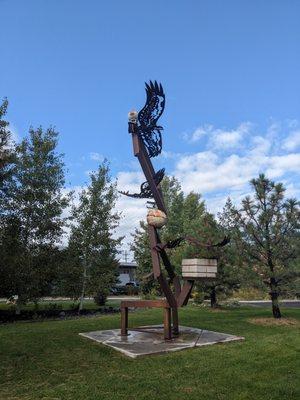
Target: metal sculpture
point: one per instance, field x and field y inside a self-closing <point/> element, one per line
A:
<point x="146" y="192"/>
<point x="149" y="132"/>
<point x="147" y="143"/>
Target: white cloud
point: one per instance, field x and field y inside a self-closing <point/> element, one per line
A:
<point x="221" y="138"/>
<point x="206" y="172"/>
<point x="96" y="157"/>
<point x="292" y="142"/>
<point x="213" y="171"/>
<point x="230" y="138"/>
<point x="169" y="155"/>
<point x="133" y="210"/>
<point x="200" y="132"/>
<point x="259" y="145"/>
<point x="217" y="174"/>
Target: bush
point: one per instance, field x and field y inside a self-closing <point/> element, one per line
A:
<point x="101" y="297"/>
<point x="54" y="307"/>
<point x="198" y="297"/>
<point x="151" y="295"/>
<point x="74" y="306"/>
<point x="250" y="294"/>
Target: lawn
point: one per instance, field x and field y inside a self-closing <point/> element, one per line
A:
<point x="49" y="360"/>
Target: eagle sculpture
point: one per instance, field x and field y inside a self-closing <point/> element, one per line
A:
<point x="149" y="132"/>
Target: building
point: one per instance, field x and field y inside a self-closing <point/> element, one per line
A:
<point x="127" y="272"/>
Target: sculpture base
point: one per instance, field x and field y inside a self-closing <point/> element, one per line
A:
<point x="149" y="340"/>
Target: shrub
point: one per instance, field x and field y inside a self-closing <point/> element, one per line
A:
<point x="54" y="307"/>
<point x="198" y="297"/>
<point x="151" y="295"/>
<point x="251" y="294"/>
<point x="101" y="297"/>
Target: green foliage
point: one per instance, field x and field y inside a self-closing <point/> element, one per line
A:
<point x="174" y="200"/>
<point x="187" y="217"/>
<point x="251" y="293"/>
<point x="141" y="250"/>
<point x="6" y="153"/>
<point x="198" y="297"/>
<point x="91" y="267"/>
<point x="265" y="230"/>
<point x="101" y="296"/>
<point x="31" y="219"/>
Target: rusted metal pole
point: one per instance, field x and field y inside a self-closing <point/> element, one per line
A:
<point x="167" y="324"/>
<point x="124" y="321"/>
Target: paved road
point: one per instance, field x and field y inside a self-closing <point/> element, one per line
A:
<point x="264" y="303"/>
<point x="254" y="303"/>
<point x="3" y="300"/>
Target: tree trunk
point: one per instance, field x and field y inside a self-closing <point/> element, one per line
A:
<point x="18" y="307"/>
<point x="213" y="298"/>
<point x="274" y="298"/>
<point x="83" y="289"/>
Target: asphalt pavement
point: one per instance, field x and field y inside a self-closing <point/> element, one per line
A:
<point x="265" y="303"/>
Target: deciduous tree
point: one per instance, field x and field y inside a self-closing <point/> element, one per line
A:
<point x="33" y="221"/>
<point x="92" y="247"/>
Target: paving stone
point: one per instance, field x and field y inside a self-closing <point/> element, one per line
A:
<point x="149" y="340"/>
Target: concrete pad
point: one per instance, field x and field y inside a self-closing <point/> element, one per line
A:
<point x="147" y="340"/>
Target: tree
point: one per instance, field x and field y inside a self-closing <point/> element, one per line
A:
<point x="174" y="199"/>
<point x="5" y="147"/>
<point x="184" y="215"/>
<point x="6" y="166"/>
<point x="6" y="157"/>
<point x="141" y="251"/>
<point x="32" y="217"/>
<point x="92" y="250"/>
<point x="209" y="231"/>
<point x="266" y="231"/>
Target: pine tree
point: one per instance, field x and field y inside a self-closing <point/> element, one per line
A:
<point x="266" y="232"/>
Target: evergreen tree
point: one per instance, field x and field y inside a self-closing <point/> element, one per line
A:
<point x="174" y="199"/>
<point x="184" y="215"/>
<point x="228" y="273"/>
<point x="187" y="217"/>
<point x="92" y="250"/>
<point x="266" y="232"/>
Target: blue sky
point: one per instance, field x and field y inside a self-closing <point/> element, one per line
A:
<point x="230" y="70"/>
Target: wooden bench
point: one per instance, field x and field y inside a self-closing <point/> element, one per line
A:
<point x="125" y="304"/>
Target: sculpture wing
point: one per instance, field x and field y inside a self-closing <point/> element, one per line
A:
<point x="146" y="192"/>
<point x="199" y="244"/>
<point x="148" y="117"/>
<point x="154" y="107"/>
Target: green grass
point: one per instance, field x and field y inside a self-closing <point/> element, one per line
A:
<point x="49" y="360"/>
